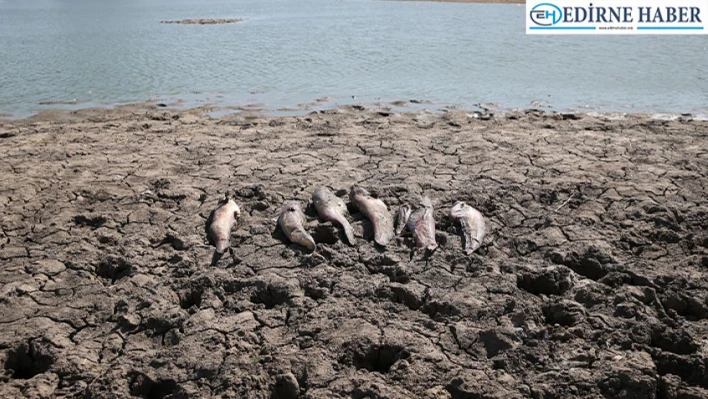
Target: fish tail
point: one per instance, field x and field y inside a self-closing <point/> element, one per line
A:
<point x="222" y="245"/>
<point x="383" y="230"/>
<point x="423" y="241"/>
<point x="383" y="236"/>
<point x="348" y="231"/>
<point x="301" y="237"/>
<point x="471" y="244"/>
<point x="215" y="257"/>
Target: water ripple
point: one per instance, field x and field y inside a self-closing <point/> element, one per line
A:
<point x="295" y="52"/>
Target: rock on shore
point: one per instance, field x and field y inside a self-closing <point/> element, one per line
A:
<point x="204" y="21"/>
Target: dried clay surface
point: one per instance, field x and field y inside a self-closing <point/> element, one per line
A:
<point x="591" y="280"/>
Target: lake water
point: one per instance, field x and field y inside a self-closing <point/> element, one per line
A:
<point x="289" y="52"/>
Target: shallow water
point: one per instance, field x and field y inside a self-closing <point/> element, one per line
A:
<point x="287" y="53"/>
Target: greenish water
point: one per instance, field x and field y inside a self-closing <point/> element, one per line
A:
<point x="290" y="52"/>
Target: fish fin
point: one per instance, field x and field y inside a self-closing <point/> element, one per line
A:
<point x="401" y="219"/>
<point x="429" y="250"/>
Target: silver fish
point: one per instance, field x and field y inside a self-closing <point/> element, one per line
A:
<point x="376" y="211"/>
<point x="422" y="224"/>
<point x="402" y="216"/>
<point x="473" y="227"/>
<point x="292" y="220"/>
<point x="331" y="208"/>
<point x="223" y="220"/>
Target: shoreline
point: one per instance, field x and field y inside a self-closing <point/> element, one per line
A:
<point x="329" y="104"/>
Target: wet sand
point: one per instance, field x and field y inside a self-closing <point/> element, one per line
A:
<point x="591" y="281"/>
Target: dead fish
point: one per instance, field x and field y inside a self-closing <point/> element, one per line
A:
<point x="473" y="227"/>
<point x="331" y="208"/>
<point x="292" y="221"/>
<point x="223" y="220"/>
<point x="422" y="224"/>
<point x="376" y="211"/>
<point x="402" y="216"/>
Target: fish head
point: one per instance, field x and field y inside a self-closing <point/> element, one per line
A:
<point x="320" y="192"/>
<point x="226" y="199"/>
<point x="458" y="210"/>
<point x="292" y="206"/>
<point x="358" y="191"/>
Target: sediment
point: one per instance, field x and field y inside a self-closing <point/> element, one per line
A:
<point x="591" y="281"/>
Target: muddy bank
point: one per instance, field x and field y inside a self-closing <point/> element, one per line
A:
<point x="591" y="281"/>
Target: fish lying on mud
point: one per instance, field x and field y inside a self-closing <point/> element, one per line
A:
<point x="376" y="211"/>
<point x="292" y="221"/>
<point x="473" y="227"/>
<point x="402" y="216"/>
<point x="422" y="224"/>
<point x="223" y="220"/>
<point x="332" y="209"/>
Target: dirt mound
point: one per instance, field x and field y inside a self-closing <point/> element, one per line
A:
<point x="591" y="281"/>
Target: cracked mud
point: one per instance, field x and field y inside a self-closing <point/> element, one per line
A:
<point x="591" y="281"/>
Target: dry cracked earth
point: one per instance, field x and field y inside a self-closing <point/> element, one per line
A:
<point x="591" y="282"/>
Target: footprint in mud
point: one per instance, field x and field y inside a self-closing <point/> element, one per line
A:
<point x="29" y="359"/>
<point x="190" y="298"/>
<point x="374" y="357"/>
<point x="272" y="295"/>
<point x="554" y="280"/>
<point x="114" y="269"/>
<point x="89" y="221"/>
<point x="143" y="386"/>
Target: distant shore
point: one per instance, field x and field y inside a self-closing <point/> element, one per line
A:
<point x="203" y="21"/>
